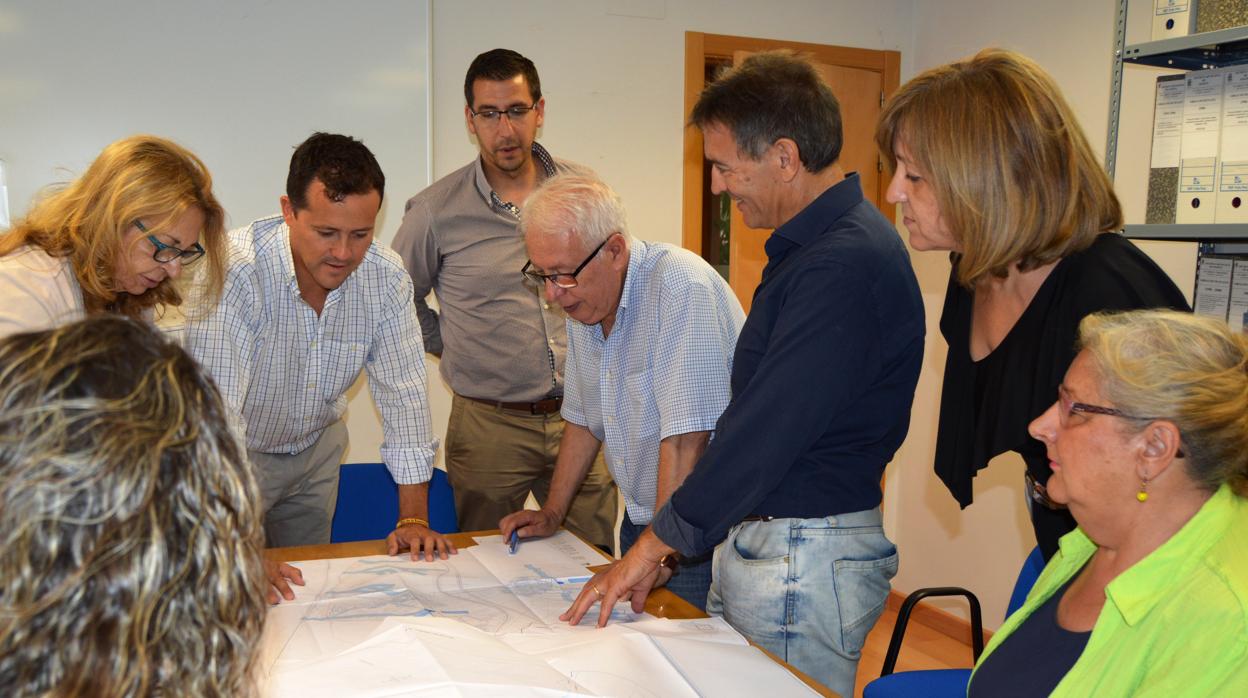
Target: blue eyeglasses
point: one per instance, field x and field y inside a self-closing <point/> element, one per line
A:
<point x="167" y="253"/>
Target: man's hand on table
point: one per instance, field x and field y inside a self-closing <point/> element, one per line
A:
<point x="528" y="523"/>
<point x="631" y="578"/>
<point x="278" y="573"/>
<point x="422" y="541"/>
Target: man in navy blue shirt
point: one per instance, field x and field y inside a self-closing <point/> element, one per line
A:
<point x="822" y="382"/>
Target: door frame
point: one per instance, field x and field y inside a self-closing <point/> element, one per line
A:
<point x="699" y="46"/>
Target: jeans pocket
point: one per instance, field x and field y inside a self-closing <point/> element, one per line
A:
<point x="752" y="578"/>
<point x="759" y="544"/>
<point x="862" y="588"/>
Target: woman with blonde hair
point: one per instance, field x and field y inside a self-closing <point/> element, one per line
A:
<point x="989" y="164"/>
<point x="114" y="239"/>
<point x="129" y="524"/>
<point x="1148" y="443"/>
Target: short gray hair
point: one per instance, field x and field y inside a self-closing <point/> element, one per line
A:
<point x="579" y="204"/>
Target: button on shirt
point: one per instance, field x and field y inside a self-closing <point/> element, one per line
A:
<point x="284" y="372"/>
<point x="497" y="339"/>
<point x="664" y="370"/>
<point x="822" y="379"/>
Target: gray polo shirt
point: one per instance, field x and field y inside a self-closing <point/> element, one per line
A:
<point x="498" y="337"/>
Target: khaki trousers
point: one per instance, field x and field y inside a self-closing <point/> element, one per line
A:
<point x="300" y="490"/>
<point x="496" y="456"/>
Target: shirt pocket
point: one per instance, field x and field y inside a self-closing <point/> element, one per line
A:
<point x="341" y="363"/>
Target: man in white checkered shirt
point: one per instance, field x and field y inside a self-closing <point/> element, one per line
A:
<point x="651" y="333"/>
<point x="309" y="302"/>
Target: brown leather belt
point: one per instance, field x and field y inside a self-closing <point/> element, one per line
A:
<point x="550" y="405"/>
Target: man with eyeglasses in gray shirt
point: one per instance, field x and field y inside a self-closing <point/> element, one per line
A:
<point x="501" y="345"/>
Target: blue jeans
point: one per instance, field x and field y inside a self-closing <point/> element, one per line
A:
<point x="693" y="576"/>
<point x="808" y="590"/>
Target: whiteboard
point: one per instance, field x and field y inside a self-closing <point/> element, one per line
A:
<point x="239" y="83"/>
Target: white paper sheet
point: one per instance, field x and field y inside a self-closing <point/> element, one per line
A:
<point x="715" y="669"/>
<point x="562" y="556"/>
<point x="382" y="626"/>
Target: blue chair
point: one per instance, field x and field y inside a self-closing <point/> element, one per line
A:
<point x="368" y="503"/>
<point x="936" y="683"/>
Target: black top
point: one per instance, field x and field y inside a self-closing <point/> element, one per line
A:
<point x="985" y="406"/>
<point x="1034" y="659"/>
<point x="822" y="378"/>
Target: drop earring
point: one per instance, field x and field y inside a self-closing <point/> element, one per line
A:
<point x="1142" y="495"/>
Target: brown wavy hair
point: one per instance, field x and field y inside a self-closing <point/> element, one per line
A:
<point x="1013" y="174"/>
<point x="140" y="177"/>
<point x="130" y="533"/>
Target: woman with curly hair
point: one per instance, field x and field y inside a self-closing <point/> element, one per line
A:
<point x="113" y="240"/>
<point x="129" y="530"/>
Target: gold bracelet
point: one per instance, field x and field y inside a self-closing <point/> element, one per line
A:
<point x="410" y="521"/>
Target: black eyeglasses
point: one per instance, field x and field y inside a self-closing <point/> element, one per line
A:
<point x="560" y="279"/>
<point x="167" y="253"/>
<point x="513" y="113"/>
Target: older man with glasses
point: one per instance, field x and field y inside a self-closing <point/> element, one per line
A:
<point x="651" y="334"/>
<point x="501" y="346"/>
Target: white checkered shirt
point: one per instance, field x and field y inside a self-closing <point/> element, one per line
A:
<point x="284" y="371"/>
<point x="663" y="371"/>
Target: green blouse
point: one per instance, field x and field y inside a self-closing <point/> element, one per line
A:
<point x="1174" y="624"/>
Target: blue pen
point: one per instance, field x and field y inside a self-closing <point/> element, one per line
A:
<point x="513" y="544"/>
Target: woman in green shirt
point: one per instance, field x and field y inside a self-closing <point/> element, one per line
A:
<point x="1148" y="442"/>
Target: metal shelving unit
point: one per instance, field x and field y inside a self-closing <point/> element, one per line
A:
<point x="1195" y="52"/>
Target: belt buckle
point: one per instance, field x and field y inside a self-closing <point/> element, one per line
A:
<point x="548" y="405"/>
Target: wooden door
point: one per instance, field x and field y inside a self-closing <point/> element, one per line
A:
<point x="858" y="92"/>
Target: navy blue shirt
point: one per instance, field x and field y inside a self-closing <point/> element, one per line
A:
<point x="822" y="378"/>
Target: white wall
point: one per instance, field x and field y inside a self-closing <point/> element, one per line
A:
<point x="240" y="83"/>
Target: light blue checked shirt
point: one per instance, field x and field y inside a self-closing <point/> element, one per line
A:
<point x="663" y="371"/>
<point x="284" y="372"/>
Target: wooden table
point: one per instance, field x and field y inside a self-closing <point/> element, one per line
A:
<point x="661" y="602"/>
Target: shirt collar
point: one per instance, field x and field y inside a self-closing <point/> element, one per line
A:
<point x="287" y="257"/>
<point x="636" y="256"/>
<point x="1136" y="591"/>
<point x="813" y="220"/>
<point x="546" y="165"/>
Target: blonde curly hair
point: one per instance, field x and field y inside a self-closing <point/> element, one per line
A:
<point x="130" y="535"/>
<point x="140" y="177"/>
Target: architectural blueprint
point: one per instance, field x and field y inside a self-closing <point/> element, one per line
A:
<point x="485" y="623"/>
